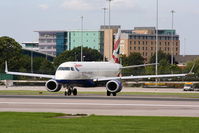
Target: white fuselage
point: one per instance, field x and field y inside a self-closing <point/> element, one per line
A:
<point x="86" y="70"/>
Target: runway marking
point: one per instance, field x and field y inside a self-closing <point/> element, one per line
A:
<point x="98" y="104"/>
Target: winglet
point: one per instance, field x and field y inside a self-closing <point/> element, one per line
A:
<point x="191" y="71"/>
<point x="6" y="66"/>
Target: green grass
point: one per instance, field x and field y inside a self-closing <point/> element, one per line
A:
<point x="29" y="92"/>
<point x="11" y="122"/>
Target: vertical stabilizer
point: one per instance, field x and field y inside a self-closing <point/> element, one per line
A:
<point x="116" y="50"/>
<point x="6" y="66"/>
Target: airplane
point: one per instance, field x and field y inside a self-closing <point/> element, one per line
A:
<point x="91" y="74"/>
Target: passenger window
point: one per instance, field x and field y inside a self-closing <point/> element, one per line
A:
<point x="72" y="69"/>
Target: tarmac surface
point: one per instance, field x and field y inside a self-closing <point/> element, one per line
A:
<point x="103" y="105"/>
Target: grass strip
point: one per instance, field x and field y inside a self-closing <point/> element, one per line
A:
<point x="16" y="122"/>
<point x="30" y="92"/>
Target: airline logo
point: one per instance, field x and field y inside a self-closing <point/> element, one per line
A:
<point x="116" y="50"/>
<point x="78" y="65"/>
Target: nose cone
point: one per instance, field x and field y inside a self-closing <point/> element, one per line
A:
<point x="62" y="75"/>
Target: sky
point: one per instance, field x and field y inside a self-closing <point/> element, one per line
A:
<point x="20" y="18"/>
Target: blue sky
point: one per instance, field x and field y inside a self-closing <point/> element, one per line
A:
<point x="20" y="18"/>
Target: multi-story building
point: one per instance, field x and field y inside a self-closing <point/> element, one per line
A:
<point x="47" y="42"/>
<point x="91" y="39"/>
<point x="143" y="41"/>
<point x="109" y="33"/>
<point x="31" y="45"/>
<point x="56" y="42"/>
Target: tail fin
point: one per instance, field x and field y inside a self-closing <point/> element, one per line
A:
<point x="6" y="66"/>
<point x="116" y="50"/>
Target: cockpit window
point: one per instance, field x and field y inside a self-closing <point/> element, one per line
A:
<point x="72" y="69"/>
<point x="64" y="68"/>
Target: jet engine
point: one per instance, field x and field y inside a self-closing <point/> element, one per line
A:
<point x="53" y="85"/>
<point x="114" y="86"/>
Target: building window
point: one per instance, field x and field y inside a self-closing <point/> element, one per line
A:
<point x="134" y="48"/>
<point x="146" y="48"/>
<point x="151" y="48"/>
<point x="138" y="48"/>
<point x="134" y="42"/>
<point x="143" y="48"/>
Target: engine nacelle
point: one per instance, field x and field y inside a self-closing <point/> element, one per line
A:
<point x="53" y="86"/>
<point x="114" y="86"/>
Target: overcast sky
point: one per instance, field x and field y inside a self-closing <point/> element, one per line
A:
<point x="20" y="18"/>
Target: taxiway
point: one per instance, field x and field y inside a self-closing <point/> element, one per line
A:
<point x="102" y="105"/>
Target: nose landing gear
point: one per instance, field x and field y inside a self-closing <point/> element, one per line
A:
<point x="70" y="90"/>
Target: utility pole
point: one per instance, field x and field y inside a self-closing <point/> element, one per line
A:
<point x="109" y="29"/>
<point x="172" y="37"/>
<point x="157" y="24"/>
<point x="82" y="18"/>
<point x="104" y="9"/>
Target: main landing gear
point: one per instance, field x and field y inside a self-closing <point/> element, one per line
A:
<point x="108" y="93"/>
<point x="70" y="90"/>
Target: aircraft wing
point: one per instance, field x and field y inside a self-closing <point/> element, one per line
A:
<point x="134" y="66"/>
<point x="140" y="77"/>
<point x="31" y="74"/>
<point x="27" y="74"/>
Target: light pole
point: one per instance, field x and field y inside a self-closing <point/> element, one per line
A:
<point x="82" y="18"/>
<point x="104" y="9"/>
<point x="109" y="29"/>
<point x="172" y="37"/>
<point x="157" y="24"/>
<point x="31" y="60"/>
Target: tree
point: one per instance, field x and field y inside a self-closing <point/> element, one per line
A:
<point x="161" y="55"/>
<point x="164" y="66"/>
<point x="194" y="63"/>
<point x="75" y="55"/>
<point x="133" y="59"/>
<point x="10" y="51"/>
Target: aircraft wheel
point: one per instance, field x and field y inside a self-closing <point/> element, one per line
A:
<point x="108" y="93"/>
<point x="74" y="91"/>
<point x="69" y="92"/>
<point x="65" y="93"/>
<point x="114" y="93"/>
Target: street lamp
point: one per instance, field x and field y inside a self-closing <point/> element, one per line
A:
<point x="109" y="26"/>
<point x="172" y="37"/>
<point x="82" y="38"/>
<point x="104" y="9"/>
<point x="157" y="24"/>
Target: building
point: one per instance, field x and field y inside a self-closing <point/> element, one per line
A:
<point x="109" y="33"/>
<point x="56" y="42"/>
<point x="52" y="42"/>
<point x="34" y="53"/>
<point x="91" y="39"/>
<point x="31" y="45"/>
<point x="143" y="41"/>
